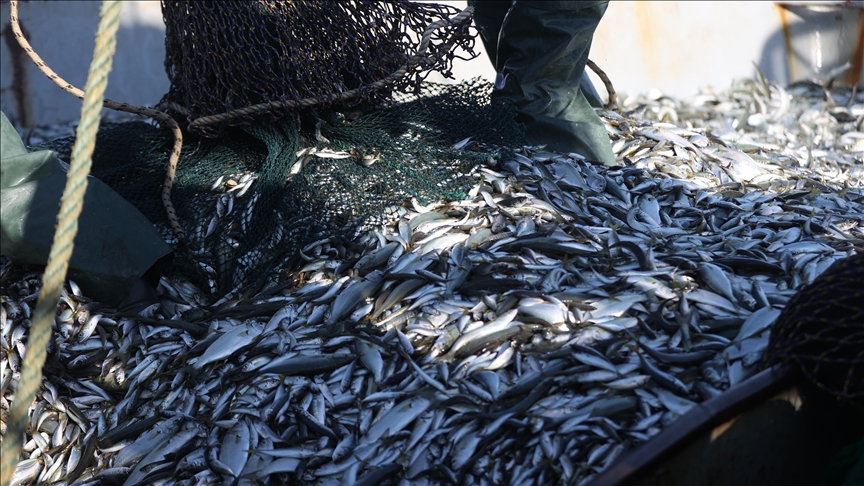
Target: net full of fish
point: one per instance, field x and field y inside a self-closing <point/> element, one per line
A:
<point x="530" y="334"/>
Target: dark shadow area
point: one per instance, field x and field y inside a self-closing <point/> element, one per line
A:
<point x="243" y="208"/>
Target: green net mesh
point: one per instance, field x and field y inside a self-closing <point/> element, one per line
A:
<point x="250" y="203"/>
<point x="821" y="330"/>
<point x="229" y="55"/>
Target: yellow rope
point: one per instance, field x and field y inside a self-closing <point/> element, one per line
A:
<point x="67" y="226"/>
<point x="138" y="110"/>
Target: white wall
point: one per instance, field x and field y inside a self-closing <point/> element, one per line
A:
<point x="677" y="47"/>
<point x="63" y="33"/>
<point x="680" y="47"/>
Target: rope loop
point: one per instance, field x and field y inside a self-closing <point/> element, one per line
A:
<point x="71" y="204"/>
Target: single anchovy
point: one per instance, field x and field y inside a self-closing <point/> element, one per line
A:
<point x="683" y="358"/>
<point x="306" y="365"/>
<point x="664" y="379"/>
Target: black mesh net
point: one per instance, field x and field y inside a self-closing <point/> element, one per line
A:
<point x="229" y="55"/>
<point x="252" y="199"/>
<point x="822" y="331"/>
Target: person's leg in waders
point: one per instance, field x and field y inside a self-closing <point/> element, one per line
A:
<point x="539" y="50"/>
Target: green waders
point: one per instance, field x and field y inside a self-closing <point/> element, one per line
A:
<point x="539" y="49"/>
<point x="116" y="246"/>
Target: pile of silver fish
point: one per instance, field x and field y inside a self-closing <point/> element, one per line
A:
<point x="531" y="334"/>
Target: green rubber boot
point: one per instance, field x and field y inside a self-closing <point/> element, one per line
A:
<point x="539" y="50"/>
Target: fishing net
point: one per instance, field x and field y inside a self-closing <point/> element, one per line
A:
<point x="250" y="204"/>
<point x="263" y="174"/>
<point x="821" y="330"/>
<point x="232" y="63"/>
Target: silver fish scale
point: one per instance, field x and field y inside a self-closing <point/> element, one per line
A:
<point x="530" y="334"/>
